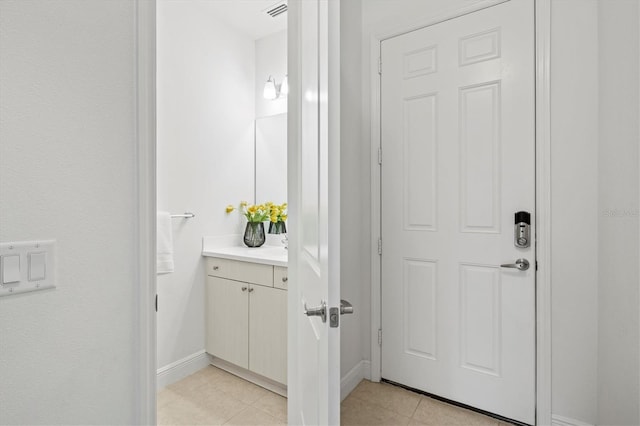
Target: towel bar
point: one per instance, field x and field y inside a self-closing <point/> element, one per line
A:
<point x="186" y="215"/>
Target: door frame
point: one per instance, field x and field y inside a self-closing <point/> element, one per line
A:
<point x="144" y="151"/>
<point x="542" y="17"/>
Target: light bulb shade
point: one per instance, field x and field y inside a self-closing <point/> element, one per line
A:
<point x="270" y="89"/>
<point x="284" y="87"/>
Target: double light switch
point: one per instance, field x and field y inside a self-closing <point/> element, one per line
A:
<point x="26" y="266"/>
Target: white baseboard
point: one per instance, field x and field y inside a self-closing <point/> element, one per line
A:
<point x="188" y="365"/>
<point x="362" y="370"/>
<point x="249" y="376"/>
<point x="181" y="368"/>
<point x="565" y="421"/>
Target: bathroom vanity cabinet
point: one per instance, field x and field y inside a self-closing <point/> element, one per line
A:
<point x="246" y="316"/>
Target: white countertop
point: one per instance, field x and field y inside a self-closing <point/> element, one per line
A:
<point x="267" y="254"/>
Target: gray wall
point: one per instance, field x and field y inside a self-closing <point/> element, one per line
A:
<point x="574" y="207"/>
<point x="354" y="236"/>
<point x="594" y="73"/>
<point x="618" y="345"/>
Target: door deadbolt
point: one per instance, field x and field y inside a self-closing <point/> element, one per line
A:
<point x="522" y="230"/>
<point x="334" y="313"/>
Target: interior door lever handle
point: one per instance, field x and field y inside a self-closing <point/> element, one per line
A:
<point x="320" y="311"/>
<point x="521" y="264"/>
<point x="345" y="307"/>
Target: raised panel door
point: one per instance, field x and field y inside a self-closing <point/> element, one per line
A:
<point x="314" y="196"/>
<point x="457" y="123"/>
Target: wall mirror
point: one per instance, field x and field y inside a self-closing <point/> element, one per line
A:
<point x="271" y="159"/>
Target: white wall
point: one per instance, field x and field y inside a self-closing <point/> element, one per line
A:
<point x="271" y="59"/>
<point x="574" y="208"/>
<point x="271" y="143"/>
<point x="67" y="151"/>
<point x="205" y="154"/>
<point x="618" y="345"/>
<point x="385" y="15"/>
<point x="354" y="235"/>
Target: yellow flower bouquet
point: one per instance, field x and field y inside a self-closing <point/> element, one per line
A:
<point x="253" y="212"/>
<point x="256" y="214"/>
<point x="262" y="212"/>
<point x="277" y="217"/>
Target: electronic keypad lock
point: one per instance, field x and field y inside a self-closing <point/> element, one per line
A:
<point x="522" y="230"/>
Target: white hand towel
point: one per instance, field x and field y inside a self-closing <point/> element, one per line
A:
<point x="164" y="262"/>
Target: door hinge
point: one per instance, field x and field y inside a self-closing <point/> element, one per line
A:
<point x="536" y="265"/>
<point x="156" y="303"/>
<point x="380" y="155"/>
<point x="380" y="65"/>
<point x="379" y="337"/>
<point x="379" y="245"/>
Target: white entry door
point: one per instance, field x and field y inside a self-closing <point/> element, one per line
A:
<point x="314" y="216"/>
<point x="457" y="164"/>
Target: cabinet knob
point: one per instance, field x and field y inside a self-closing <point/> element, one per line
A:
<point x="215" y="268"/>
<point x="285" y="279"/>
<point x="251" y="290"/>
<point x="244" y="288"/>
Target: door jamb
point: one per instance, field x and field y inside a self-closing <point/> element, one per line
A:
<point x="543" y="210"/>
<point x="145" y="218"/>
<point x="542" y="18"/>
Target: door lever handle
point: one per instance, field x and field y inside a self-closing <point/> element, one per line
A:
<point x="345" y="307"/>
<point x="521" y="265"/>
<point x="320" y="311"/>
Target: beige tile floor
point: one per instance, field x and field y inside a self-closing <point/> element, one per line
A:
<point x="384" y="404"/>
<point x="215" y="397"/>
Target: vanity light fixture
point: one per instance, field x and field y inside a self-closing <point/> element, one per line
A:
<point x="270" y="90"/>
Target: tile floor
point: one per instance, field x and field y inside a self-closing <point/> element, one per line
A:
<point x="215" y="397"/>
<point x="384" y="404"/>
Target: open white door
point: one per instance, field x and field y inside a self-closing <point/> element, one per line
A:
<point x="314" y="212"/>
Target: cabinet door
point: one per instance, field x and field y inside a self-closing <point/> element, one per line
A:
<point x="228" y="320"/>
<point x="268" y="333"/>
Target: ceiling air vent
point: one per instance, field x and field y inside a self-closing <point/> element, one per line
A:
<point x="277" y="9"/>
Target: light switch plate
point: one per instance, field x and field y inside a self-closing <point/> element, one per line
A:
<point x="36" y="266"/>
